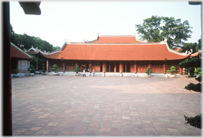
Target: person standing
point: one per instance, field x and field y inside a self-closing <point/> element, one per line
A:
<point x="84" y="73"/>
<point x="93" y="72"/>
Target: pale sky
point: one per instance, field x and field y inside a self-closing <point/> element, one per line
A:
<point x="76" y="21"/>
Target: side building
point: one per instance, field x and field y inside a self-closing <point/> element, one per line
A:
<point x="116" y="54"/>
<point x="19" y="59"/>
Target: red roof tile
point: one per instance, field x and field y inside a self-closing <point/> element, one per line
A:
<point x="18" y="53"/>
<point x="195" y="54"/>
<point x="116" y="39"/>
<point x="116" y="52"/>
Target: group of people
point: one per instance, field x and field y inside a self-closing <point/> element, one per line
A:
<point x="84" y="74"/>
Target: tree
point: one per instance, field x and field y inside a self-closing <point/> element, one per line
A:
<point x="55" y="68"/>
<point x="25" y="42"/>
<point x="77" y="69"/>
<point x="194" y="46"/>
<point x="173" y="70"/>
<point x="156" y="29"/>
<point x="148" y="71"/>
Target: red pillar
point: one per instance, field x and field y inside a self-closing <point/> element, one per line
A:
<point x="114" y="67"/>
<point x="104" y="67"/>
<point x="135" y="67"/>
<point x="90" y="67"/>
<point x="63" y="66"/>
<point x="120" y="67"/>
<point x="109" y="67"/>
<point x="164" y="67"/>
<point x="47" y="65"/>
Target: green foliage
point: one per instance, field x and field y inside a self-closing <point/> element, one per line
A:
<point x="192" y="62"/>
<point x="198" y="71"/>
<point x="148" y="71"/>
<point x="15" y="71"/>
<point x="191" y="70"/>
<point x="194" y="87"/>
<point x="55" y="68"/>
<point x="199" y="78"/>
<point x="156" y="29"/>
<point x="77" y="69"/>
<point x="188" y="47"/>
<point x="173" y="70"/>
<point x="29" y="41"/>
<point x="31" y="69"/>
<point x="194" y="121"/>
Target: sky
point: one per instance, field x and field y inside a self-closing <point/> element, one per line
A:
<point x="77" y="21"/>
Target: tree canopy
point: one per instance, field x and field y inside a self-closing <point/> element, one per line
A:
<point x="156" y="29"/>
<point x="194" y="46"/>
<point x="25" y="42"/>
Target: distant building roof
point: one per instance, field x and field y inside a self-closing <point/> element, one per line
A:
<point x="118" y="51"/>
<point x="18" y="53"/>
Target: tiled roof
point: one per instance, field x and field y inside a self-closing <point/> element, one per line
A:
<point x="117" y="52"/>
<point x="196" y="54"/>
<point x="18" y="53"/>
<point x="117" y="39"/>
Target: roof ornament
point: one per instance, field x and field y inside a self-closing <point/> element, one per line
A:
<point x="99" y="34"/>
<point x="186" y="52"/>
<point x="164" y="42"/>
<point x="191" y="50"/>
<point x="68" y="42"/>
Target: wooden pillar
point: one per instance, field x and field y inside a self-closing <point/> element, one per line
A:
<point x="135" y="67"/>
<point x="47" y="65"/>
<point x="164" y="67"/>
<point x="150" y="64"/>
<point x="114" y="67"/>
<point x="181" y="71"/>
<point x="63" y="66"/>
<point x="104" y="67"/>
<point x="90" y="67"/>
<point x="120" y="67"/>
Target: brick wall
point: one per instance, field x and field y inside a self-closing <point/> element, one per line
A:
<point x="23" y="66"/>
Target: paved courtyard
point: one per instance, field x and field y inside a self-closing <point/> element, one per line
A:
<point x="103" y="106"/>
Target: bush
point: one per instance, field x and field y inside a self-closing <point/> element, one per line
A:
<point x="192" y="62"/>
<point x="193" y="87"/>
<point x="191" y="71"/>
<point x="31" y="69"/>
<point x="77" y="69"/>
<point x="198" y="78"/>
<point x="194" y="121"/>
<point x="15" y="71"/>
<point x="173" y="70"/>
<point x="148" y="71"/>
<point x="198" y="71"/>
<point x="55" y="68"/>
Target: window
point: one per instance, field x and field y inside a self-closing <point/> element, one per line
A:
<point x="24" y="65"/>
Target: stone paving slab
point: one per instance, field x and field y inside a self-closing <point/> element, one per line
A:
<point x="103" y="106"/>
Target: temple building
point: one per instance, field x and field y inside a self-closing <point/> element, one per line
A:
<point x="116" y="54"/>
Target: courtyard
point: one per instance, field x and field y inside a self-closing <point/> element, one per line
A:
<point x="103" y="106"/>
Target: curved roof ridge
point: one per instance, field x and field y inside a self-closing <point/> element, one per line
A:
<point x="175" y="52"/>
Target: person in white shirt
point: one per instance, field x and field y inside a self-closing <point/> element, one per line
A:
<point x="84" y="73"/>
